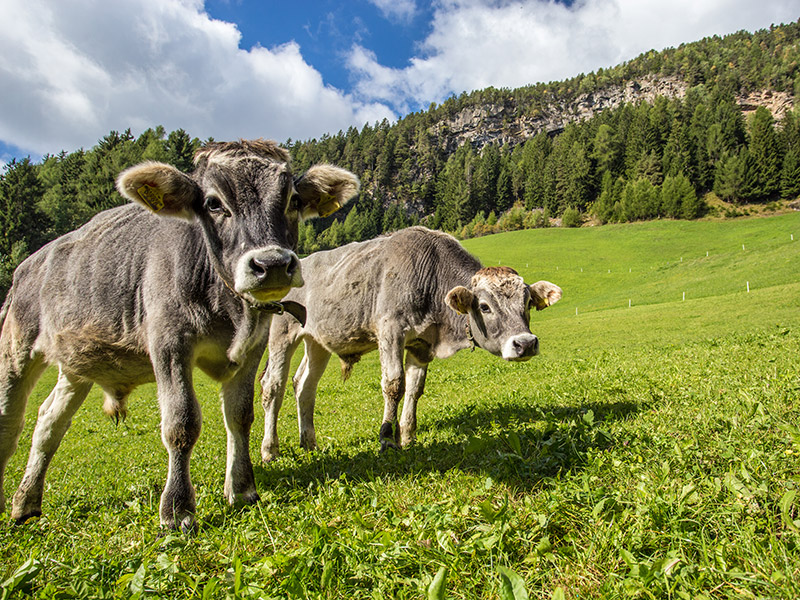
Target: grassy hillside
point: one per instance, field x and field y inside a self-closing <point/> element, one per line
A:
<point x="653" y="262"/>
<point x="650" y="451"/>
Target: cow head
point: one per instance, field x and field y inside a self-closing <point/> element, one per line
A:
<point x="498" y="304"/>
<point x="248" y="204"/>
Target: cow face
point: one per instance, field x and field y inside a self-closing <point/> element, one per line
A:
<point x="498" y="304"/>
<point x="248" y="204"/>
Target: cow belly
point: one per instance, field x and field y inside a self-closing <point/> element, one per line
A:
<point x="357" y="343"/>
<point x="116" y="368"/>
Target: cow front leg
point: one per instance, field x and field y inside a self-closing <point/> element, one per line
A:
<point x="416" y="372"/>
<point x="237" y="408"/>
<point x="18" y="374"/>
<point x="273" y="386"/>
<point x="55" y="417"/>
<point x="181" y="420"/>
<point x="306" y="381"/>
<point x="392" y="385"/>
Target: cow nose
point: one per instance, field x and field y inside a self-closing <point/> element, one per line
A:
<point x="267" y="272"/>
<point x="521" y="347"/>
<point x="526" y="346"/>
<point x="278" y="265"/>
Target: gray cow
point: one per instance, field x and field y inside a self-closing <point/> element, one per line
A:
<point x="139" y="295"/>
<point x="416" y="291"/>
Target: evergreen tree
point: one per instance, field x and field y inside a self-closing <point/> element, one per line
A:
<point x="765" y="154"/>
<point x="534" y="159"/>
<point x="676" y="192"/>
<point x="22" y="220"/>
<point x="604" y="149"/>
<point x="180" y="149"/>
<point x="790" y="175"/>
<point x="731" y="177"/>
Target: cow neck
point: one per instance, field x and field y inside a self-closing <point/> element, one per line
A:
<point x="471" y="337"/>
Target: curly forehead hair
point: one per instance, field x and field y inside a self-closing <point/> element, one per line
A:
<point x="242" y="149"/>
<point x="505" y="278"/>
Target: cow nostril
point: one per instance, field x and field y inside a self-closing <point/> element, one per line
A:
<point x="294" y="264"/>
<point x="258" y="267"/>
<point x="261" y="265"/>
<point x="526" y="346"/>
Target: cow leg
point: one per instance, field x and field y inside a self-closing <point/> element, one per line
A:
<point x="237" y="408"/>
<point x="181" y="420"/>
<point x="55" y="417"/>
<point x="390" y="348"/>
<point x="305" y="382"/>
<point x="18" y="374"/>
<point x="273" y="389"/>
<point x="416" y="373"/>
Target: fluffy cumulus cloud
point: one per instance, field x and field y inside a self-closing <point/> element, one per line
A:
<point x="397" y="10"/>
<point x="73" y="71"/>
<point x="477" y="43"/>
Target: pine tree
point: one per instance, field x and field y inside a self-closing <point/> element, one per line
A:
<point x="790" y="175"/>
<point x="677" y="192"/>
<point x="731" y="177"/>
<point x="765" y="153"/>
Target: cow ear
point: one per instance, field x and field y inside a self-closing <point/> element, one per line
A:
<point x="460" y="299"/>
<point x="160" y="187"/>
<point x="544" y="294"/>
<point x="324" y="189"/>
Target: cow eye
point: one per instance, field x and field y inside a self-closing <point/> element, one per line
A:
<point x="214" y="205"/>
<point x="485" y="308"/>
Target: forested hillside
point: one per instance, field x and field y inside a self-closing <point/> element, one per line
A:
<point x="642" y="140"/>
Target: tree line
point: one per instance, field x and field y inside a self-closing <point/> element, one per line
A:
<point x="632" y="162"/>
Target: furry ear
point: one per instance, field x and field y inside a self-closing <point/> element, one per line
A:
<point x="160" y="187"/>
<point x="324" y="189"/>
<point x="544" y="294"/>
<point x="460" y="299"/>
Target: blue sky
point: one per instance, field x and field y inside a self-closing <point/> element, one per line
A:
<point x="74" y="70"/>
<point x="328" y="29"/>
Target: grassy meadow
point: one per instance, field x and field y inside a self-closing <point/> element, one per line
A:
<point x="651" y="451"/>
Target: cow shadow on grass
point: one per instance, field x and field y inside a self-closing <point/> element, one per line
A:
<point x="523" y="447"/>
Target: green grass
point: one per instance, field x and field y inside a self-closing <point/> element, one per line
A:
<point x="649" y="452"/>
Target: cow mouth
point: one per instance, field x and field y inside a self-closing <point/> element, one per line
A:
<point x="520" y="358"/>
<point x="269" y="294"/>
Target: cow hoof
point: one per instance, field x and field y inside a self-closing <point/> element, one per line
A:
<point x="386" y="443"/>
<point x="188" y="525"/>
<point x="240" y="499"/>
<point x="185" y="524"/>
<point x="269" y="456"/>
<point x="248" y="498"/>
<point x="21" y="520"/>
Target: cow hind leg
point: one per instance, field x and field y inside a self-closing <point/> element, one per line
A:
<point x="393" y="386"/>
<point x="55" y="417"/>
<point x="416" y="372"/>
<point x="273" y="390"/>
<point x="18" y="376"/>
<point x="306" y="381"/>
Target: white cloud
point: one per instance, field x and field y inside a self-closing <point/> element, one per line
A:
<point x="397" y="10"/>
<point x="73" y="71"/>
<point x="478" y="43"/>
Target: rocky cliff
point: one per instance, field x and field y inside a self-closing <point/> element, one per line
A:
<point x="509" y="123"/>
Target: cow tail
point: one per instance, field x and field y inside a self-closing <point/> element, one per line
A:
<point x="347" y="363"/>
